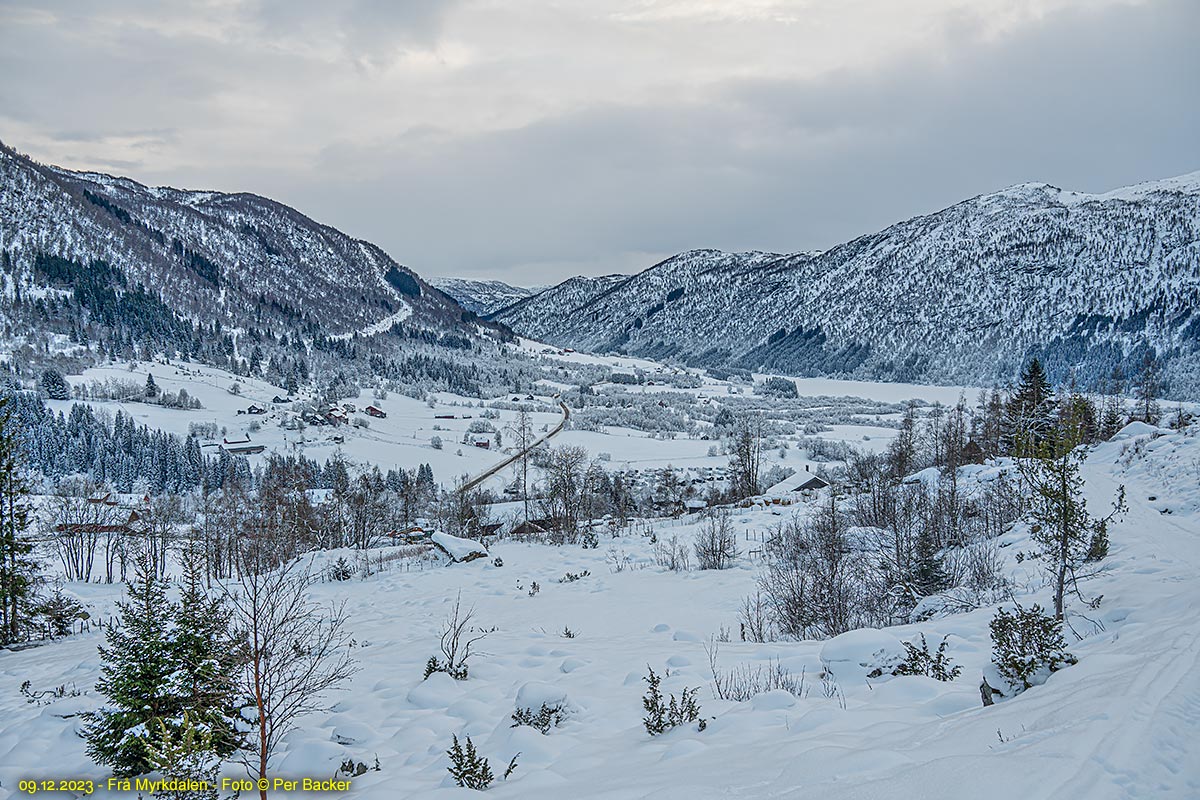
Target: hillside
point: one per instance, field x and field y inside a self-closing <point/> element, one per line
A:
<point x="237" y="259"/>
<point x="482" y="297"/>
<point x="1119" y="723"/>
<point x="1087" y="282"/>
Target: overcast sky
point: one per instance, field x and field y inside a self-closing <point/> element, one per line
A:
<point x="529" y="140"/>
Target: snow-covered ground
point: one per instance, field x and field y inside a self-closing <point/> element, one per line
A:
<point x="1122" y="723"/>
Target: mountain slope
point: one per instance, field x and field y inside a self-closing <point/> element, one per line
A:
<point x="482" y="297"/>
<point x="236" y="259"/>
<point x="1087" y="282"/>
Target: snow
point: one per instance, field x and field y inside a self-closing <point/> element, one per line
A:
<point x="1123" y="722"/>
<point x="458" y="548"/>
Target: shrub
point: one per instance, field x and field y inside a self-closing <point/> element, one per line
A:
<point x="1027" y="645"/>
<point x="571" y="577"/>
<point x="747" y="680"/>
<point x="341" y="570"/>
<point x="459" y="636"/>
<point x="716" y="545"/>
<point x="542" y="720"/>
<point x="672" y="554"/>
<point x="662" y="717"/>
<point x="469" y="769"/>
<point x="919" y="661"/>
<point x="62" y="612"/>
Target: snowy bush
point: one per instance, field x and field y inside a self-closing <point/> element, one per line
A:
<point x="341" y="570"/>
<point x="548" y="715"/>
<point x="919" y="661"/>
<point x="61" y="612"/>
<point x="672" y="555"/>
<point x="1027" y="645"/>
<point x="469" y="769"/>
<point x="747" y="680"/>
<point x="663" y="716"/>
<point x="458" y="637"/>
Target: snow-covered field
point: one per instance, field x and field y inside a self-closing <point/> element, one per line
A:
<point x="1123" y="722"/>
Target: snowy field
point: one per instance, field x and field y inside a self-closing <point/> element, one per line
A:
<point x="404" y="438"/>
<point x="1122" y="723"/>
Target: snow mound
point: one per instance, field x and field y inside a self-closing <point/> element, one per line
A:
<point x="459" y="549"/>
<point x="1136" y="429"/>
<point x="535" y="694"/>
<point x="855" y="654"/>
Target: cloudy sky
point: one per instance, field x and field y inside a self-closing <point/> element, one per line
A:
<point x="528" y="140"/>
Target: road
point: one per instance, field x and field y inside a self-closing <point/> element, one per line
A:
<point x="483" y="476"/>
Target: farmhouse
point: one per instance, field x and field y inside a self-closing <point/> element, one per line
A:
<point x="375" y="411"/>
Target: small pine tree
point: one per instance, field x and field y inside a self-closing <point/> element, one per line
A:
<point x="185" y="754"/>
<point x="1027" y="645"/>
<point x="469" y="769"/>
<point x="151" y="386"/>
<point x="136" y="676"/>
<point x="919" y="661"/>
<point x="1065" y="534"/>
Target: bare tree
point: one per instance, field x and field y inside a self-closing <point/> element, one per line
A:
<point x="745" y="455"/>
<point x="296" y="653"/>
<point x="716" y="544"/>
<point x="565" y="472"/>
<point x="459" y="637"/>
<point x="523" y="439"/>
<point x="78" y="518"/>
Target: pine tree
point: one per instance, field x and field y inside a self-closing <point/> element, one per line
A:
<point x="1066" y="535"/>
<point x="1028" y="413"/>
<point x="54" y="385"/>
<point x="929" y="570"/>
<point x="18" y="570"/>
<point x="1147" y="389"/>
<point x="208" y="655"/>
<point x="136" y="677"/>
<point x="151" y="386"/>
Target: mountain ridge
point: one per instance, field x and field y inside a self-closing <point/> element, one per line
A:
<point x="965" y="295"/>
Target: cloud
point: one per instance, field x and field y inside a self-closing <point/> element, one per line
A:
<point x="528" y="141"/>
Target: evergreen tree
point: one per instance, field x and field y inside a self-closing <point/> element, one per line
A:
<point x="929" y="570"/>
<point x="18" y="570"/>
<point x="1065" y="534"/>
<point x="151" y="386"/>
<point x="1146" y="391"/>
<point x="54" y="385"/>
<point x="208" y="655"/>
<point x="1028" y="417"/>
<point x="136" y="677"/>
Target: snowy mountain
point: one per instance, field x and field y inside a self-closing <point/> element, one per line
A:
<point x="965" y="295"/>
<point x="571" y="293"/>
<point x="237" y="259"/>
<point x="482" y="297"/>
